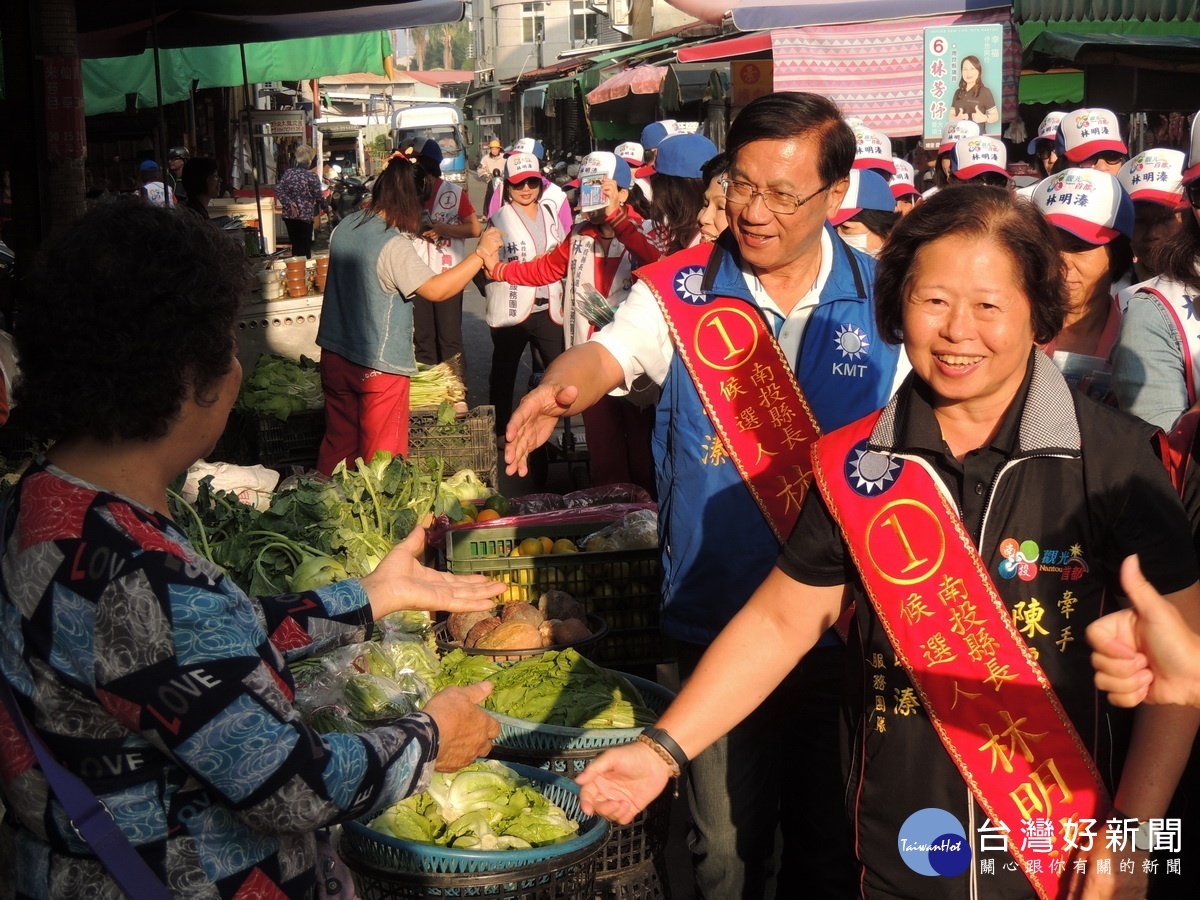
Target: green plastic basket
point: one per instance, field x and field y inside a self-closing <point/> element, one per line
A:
<point x="521" y="734"/>
<point x="392" y="854"/>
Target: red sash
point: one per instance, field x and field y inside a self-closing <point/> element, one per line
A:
<point x="746" y="385"/>
<point x="988" y="699"/>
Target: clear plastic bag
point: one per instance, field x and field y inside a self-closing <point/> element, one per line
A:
<point x="637" y="531"/>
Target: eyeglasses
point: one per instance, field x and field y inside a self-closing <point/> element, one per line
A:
<point x="527" y="183"/>
<point x="1108" y="157"/>
<point x="775" y="201"/>
<point x="1044" y="150"/>
<point x="991" y="179"/>
<point x="1193" y="194"/>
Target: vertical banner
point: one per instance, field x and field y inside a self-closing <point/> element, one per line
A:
<point x="964" y="75"/>
<point x="63" y="105"/>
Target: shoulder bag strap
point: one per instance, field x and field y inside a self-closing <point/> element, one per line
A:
<point x="89" y="817"/>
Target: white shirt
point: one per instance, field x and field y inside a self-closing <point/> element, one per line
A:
<point x="640" y="341"/>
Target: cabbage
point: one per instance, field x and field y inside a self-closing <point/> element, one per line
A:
<point x="484" y="806"/>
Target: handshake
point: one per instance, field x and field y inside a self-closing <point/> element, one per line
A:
<point x="488" y="249"/>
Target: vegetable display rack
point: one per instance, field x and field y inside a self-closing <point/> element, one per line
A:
<point x="620" y="586"/>
<point x="294" y="442"/>
<point x="469" y="442"/>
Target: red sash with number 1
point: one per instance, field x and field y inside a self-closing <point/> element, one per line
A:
<point x="744" y="381"/>
<point x="988" y="699"/>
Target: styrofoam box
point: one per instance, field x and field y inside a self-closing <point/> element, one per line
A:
<point x="287" y="327"/>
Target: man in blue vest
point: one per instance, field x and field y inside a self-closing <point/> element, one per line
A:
<point x="779" y="259"/>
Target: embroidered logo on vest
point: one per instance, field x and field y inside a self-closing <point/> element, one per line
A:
<point x="868" y="472"/>
<point x="689" y="286"/>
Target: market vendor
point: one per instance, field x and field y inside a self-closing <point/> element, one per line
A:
<point x="366" y="336"/>
<point x="971" y="705"/>
<point x="137" y="662"/>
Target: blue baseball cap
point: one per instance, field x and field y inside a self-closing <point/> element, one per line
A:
<point x="530" y="145"/>
<point x="602" y="164"/>
<point x="682" y="155"/>
<point x="148" y="166"/>
<point x="431" y="150"/>
<point x="867" y="190"/>
<point x="654" y="133"/>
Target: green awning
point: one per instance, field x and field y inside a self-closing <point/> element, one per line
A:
<point x="589" y="78"/>
<point x="616" y="131"/>
<point x="561" y="89"/>
<point x="1135" y="11"/>
<point x="1029" y="30"/>
<point x="107" y="81"/>
<point x="1051" y="88"/>
<point x="1172" y="53"/>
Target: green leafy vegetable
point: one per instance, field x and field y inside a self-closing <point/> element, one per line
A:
<point x="556" y="688"/>
<point x="278" y="387"/>
<point x="484" y="806"/>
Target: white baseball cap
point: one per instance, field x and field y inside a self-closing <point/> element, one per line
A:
<point x="521" y="166"/>
<point x="1086" y="132"/>
<point x="977" y="155"/>
<point x="1155" y="176"/>
<point x="1087" y="203"/>
<point x="529" y="145"/>
<point x="602" y="164"/>
<point x="872" y="150"/>
<point x="955" y="131"/>
<point x="632" y="152"/>
<point x="904" y="182"/>
<point x="1047" y="130"/>
<point x="1193" y="161"/>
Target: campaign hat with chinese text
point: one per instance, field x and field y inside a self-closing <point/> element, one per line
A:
<point x="872" y="150"/>
<point x="1155" y="176"/>
<point x="1087" y="203"/>
<point x="520" y="166"/>
<point x="904" y="182"/>
<point x="632" y="152"/>
<point x="1086" y="132"/>
<point x="531" y="146"/>
<point x="606" y="165"/>
<point x="977" y="155"/>
<point x="956" y="131"/>
<point x="1047" y="130"/>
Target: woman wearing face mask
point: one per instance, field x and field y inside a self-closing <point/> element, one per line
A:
<point x="712" y="214"/>
<point x="868" y="212"/>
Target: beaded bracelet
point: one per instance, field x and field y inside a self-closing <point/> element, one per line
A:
<point x="662" y="754"/>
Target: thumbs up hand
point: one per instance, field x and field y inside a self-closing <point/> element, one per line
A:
<point x="1146" y="652"/>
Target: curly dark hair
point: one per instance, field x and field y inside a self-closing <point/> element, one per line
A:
<point x="675" y="205"/>
<point x="975" y="211"/>
<point x="129" y="313"/>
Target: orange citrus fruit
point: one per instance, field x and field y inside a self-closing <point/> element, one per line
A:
<point x="486" y="515"/>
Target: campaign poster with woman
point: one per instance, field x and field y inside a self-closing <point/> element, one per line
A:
<point x="964" y="74"/>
